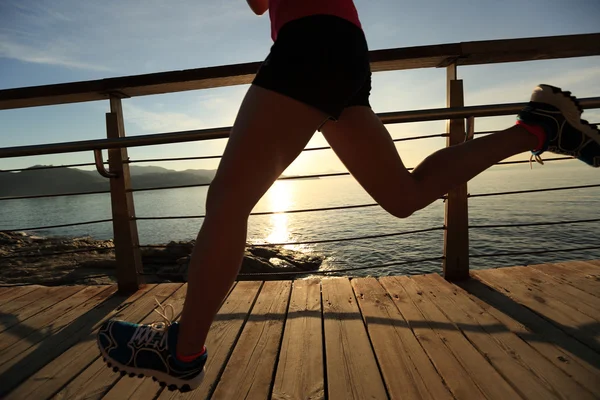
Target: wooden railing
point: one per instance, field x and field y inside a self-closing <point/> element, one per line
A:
<point x="449" y="56"/>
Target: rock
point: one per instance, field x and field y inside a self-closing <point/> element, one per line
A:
<point x="40" y="260"/>
<point x="264" y="252"/>
<point x="252" y="264"/>
<point x="183" y="260"/>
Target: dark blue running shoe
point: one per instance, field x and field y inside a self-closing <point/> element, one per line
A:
<point x="559" y="114"/>
<point x="149" y="350"/>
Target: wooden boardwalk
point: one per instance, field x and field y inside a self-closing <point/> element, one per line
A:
<point x="518" y="332"/>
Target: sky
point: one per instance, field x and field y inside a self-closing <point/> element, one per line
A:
<point x="56" y="41"/>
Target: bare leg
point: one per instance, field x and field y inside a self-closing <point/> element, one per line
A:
<point x="365" y="147"/>
<point x="269" y="133"/>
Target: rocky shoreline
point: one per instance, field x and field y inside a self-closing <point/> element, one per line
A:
<point x="30" y="259"/>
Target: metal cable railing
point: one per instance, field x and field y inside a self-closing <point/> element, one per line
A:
<point x="533" y="191"/>
<point x="529" y="224"/>
<point x="37" y="228"/>
<point x="215" y="157"/>
<point x="97" y="90"/>
<point x="38" y="168"/>
<point x="436" y="114"/>
<point x="528" y="252"/>
<point x="39" y="196"/>
<point x="348" y="239"/>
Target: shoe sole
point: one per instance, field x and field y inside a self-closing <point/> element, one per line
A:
<point x="568" y="106"/>
<point x="164" y="380"/>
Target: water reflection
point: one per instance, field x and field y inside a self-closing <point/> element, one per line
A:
<point x="279" y="198"/>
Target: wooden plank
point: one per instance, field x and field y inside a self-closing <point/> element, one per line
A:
<point x="352" y="371"/>
<point x="300" y="369"/>
<point x="127" y="245"/>
<point x="249" y="372"/>
<point x="531" y="374"/>
<point x="8" y="294"/>
<point x="76" y="349"/>
<point x="97" y="379"/>
<point x="521" y="378"/>
<point x="466" y="53"/>
<point x="583" y="301"/>
<point x="407" y="371"/>
<point x="29" y="305"/>
<point x="593" y="262"/>
<point x="13" y="311"/>
<point x="491" y="383"/>
<point x="456" y="216"/>
<point x="30" y="319"/>
<point x="452" y="372"/>
<point x="527" y="49"/>
<point x="562" y="350"/>
<point x="563" y="316"/>
<point x="55" y="320"/>
<point x="222" y="336"/>
<point x="591" y="269"/>
<point x="569" y="277"/>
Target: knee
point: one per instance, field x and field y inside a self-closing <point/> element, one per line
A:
<point x="402" y="205"/>
<point x="226" y="202"/>
<point x="400" y="210"/>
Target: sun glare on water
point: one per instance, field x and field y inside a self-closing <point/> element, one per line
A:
<point x="279" y="199"/>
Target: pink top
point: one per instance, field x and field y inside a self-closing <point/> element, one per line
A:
<point x="282" y="11"/>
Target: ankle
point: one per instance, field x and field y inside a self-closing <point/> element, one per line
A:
<point x="190" y="357"/>
<point x="536" y="131"/>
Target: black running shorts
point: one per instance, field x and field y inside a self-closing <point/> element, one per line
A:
<point x="320" y="60"/>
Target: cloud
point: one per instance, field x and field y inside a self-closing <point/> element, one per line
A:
<point x="577" y="80"/>
<point x="51" y="55"/>
<point x="159" y="121"/>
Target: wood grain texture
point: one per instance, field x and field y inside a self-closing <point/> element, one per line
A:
<point x="518" y="333"/>
<point x="567" y="353"/>
<point x="31" y="320"/>
<point x="564" y="316"/>
<point x="300" y="370"/>
<point x="11" y="293"/>
<point x="58" y="319"/>
<point x="96" y="379"/>
<point x="407" y="371"/>
<point x="250" y="369"/>
<point x="222" y="337"/>
<point x="29" y="305"/>
<point x="586" y="303"/>
<point x="569" y="276"/>
<point x="529" y="372"/>
<point x="489" y="381"/>
<point x="352" y="371"/>
<point x="447" y="365"/>
<point x="77" y="349"/>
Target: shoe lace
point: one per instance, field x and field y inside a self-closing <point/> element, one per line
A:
<point x="538" y="159"/>
<point x="155" y="334"/>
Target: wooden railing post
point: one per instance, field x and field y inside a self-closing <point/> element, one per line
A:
<point x="456" y="235"/>
<point x="127" y="251"/>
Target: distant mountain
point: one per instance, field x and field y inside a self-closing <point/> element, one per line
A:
<point x="68" y="180"/>
<point x="136" y="170"/>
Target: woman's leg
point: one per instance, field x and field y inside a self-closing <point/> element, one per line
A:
<point x="270" y="131"/>
<point x="365" y="147"/>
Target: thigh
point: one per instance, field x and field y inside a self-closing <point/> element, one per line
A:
<point x="269" y="132"/>
<point x="365" y="147"/>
